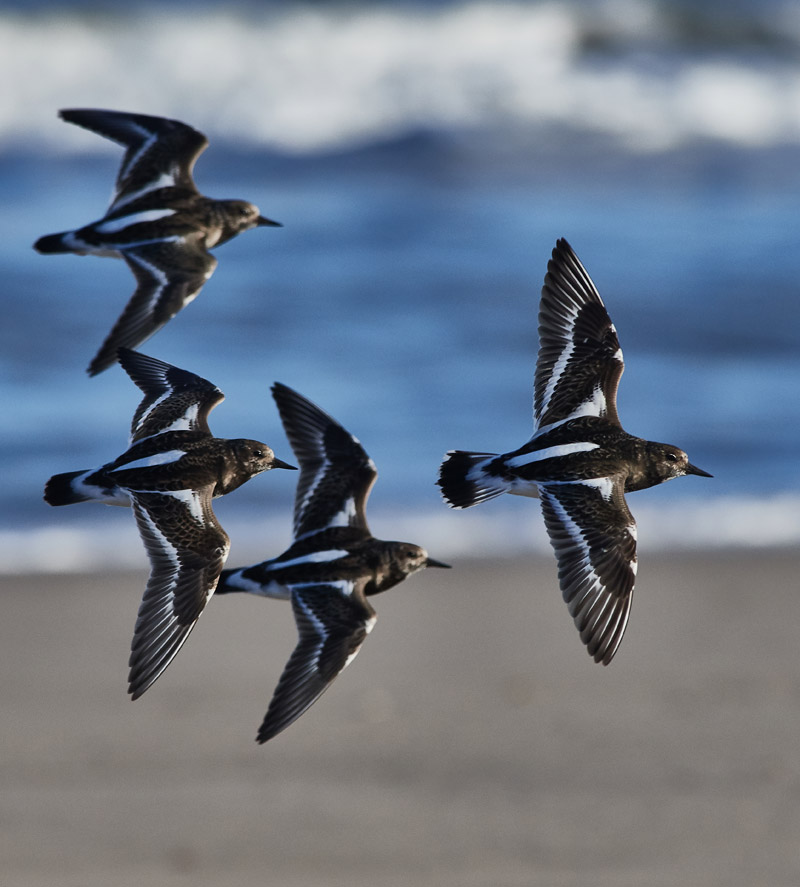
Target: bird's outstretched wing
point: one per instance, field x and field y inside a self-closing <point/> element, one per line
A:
<point x="174" y="399"/>
<point x="594" y="537"/>
<point x="336" y="474"/>
<point x="580" y="360"/>
<point x="187" y="548"/>
<point x="169" y="275"/>
<point x="160" y="153"/>
<point x="333" y="619"/>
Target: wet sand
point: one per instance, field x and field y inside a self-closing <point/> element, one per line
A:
<point x="472" y="742"/>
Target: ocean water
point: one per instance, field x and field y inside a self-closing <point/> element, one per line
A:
<point x="423" y="159"/>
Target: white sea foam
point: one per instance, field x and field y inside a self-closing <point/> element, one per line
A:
<point x="488" y="531"/>
<point x="679" y="525"/>
<point x="302" y="79"/>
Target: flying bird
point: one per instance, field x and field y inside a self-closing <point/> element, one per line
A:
<point x="158" y="222"/>
<point x="334" y="563"/>
<point x="171" y="471"/>
<point x="579" y="462"/>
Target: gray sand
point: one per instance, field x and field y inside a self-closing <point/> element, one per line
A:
<point x="472" y="742"/>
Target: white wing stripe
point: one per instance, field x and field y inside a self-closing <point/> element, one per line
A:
<point x="186" y="421"/>
<point x="551" y="453"/>
<point x="555" y="376"/>
<point x="312" y="487"/>
<point x="114" y="226"/>
<point x="155" y="459"/>
<point x="604" y="485"/>
<point x="168" y="548"/>
<point x="160" y="399"/>
<point x="192" y="499"/>
<point x="368" y="626"/>
<point x="150" y="139"/>
<point x="342" y="517"/>
<point x="165" y="180"/>
<point x="576" y="534"/>
<point x="189" y="497"/>
<point x="313" y="557"/>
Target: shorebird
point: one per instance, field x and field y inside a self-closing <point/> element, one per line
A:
<point x="170" y="473"/>
<point x="579" y="462"/>
<point x="334" y="563"/>
<point x="157" y="221"/>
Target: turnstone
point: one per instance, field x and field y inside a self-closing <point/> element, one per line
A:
<point x="579" y="461"/>
<point x="157" y="221"/>
<point x="333" y="564"/>
<point x="170" y="473"/>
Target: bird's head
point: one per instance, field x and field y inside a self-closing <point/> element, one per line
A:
<point x="241" y="216"/>
<point x="669" y="462"/>
<point x="402" y="559"/>
<point x="251" y="457"/>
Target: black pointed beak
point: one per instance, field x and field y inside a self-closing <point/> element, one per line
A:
<point x="692" y="469"/>
<point x="430" y="562"/>
<point x="278" y="463"/>
<point x="262" y="222"/>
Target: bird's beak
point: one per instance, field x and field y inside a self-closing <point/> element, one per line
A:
<point x="261" y="221"/>
<point x="691" y="469"/>
<point x="430" y="562"/>
<point x="278" y="463"/>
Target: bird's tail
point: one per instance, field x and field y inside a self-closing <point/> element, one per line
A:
<point x="61" y="489"/>
<point x="52" y="243"/>
<point x="465" y="480"/>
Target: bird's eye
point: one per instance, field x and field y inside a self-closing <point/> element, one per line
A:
<point x="671" y="457"/>
<point x="258" y="454"/>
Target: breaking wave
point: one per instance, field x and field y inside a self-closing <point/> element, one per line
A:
<point x="302" y="78"/>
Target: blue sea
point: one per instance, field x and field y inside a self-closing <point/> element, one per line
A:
<point x="423" y="159"/>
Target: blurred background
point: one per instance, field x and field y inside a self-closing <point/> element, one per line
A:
<point x="424" y="158"/>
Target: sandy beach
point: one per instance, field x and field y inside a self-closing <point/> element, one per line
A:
<point x="472" y="742"/>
